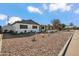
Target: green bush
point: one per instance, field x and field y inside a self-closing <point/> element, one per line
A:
<point x="16" y="33"/>
<point x="5" y="31"/>
<point x="25" y="32"/>
<point x="21" y="33"/>
<point x="0" y="29"/>
<point x="11" y="31"/>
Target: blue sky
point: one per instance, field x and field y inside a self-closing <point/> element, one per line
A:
<point x="42" y="13"/>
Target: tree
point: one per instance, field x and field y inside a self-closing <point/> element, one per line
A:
<point x="56" y="24"/>
<point x="63" y="26"/>
<point x="48" y="26"/>
<point x="71" y="24"/>
<point x="0" y="29"/>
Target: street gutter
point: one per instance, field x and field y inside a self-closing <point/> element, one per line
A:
<point x="64" y="49"/>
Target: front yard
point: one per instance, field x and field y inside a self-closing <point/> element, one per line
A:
<point x="36" y="45"/>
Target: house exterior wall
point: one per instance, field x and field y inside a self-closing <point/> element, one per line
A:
<point x="69" y="26"/>
<point x="46" y="28"/>
<point x="7" y="27"/>
<point x="17" y="27"/>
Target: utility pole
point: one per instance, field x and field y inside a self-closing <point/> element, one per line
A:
<point x="7" y="19"/>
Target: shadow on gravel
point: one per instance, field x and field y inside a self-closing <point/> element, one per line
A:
<point x="9" y="36"/>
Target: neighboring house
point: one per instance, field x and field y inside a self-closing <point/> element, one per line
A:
<point x="7" y="28"/>
<point x="46" y="27"/>
<point x="23" y="26"/>
<point x="69" y="27"/>
<point x="43" y="28"/>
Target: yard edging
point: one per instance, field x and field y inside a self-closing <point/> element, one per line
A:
<point x="63" y="50"/>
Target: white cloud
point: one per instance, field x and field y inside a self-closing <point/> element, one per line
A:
<point x="3" y="17"/>
<point x="39" y="1"/>
<point x="76" y="11"/>
<point x="13" y="19"/>
<point x="45" y="6"/>
<point x="59" y="6"/>
<point x="34" y="9"/>
<point x="51" y="7"/>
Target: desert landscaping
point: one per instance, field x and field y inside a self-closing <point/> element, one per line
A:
<point x="43" y="44"/>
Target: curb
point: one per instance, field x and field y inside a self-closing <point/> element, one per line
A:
<point x="63" y="50"/>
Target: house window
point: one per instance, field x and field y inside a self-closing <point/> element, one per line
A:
<point x="34" y="27"/>
<point x="23" y="26"/>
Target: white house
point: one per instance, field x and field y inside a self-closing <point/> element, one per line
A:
<point x="68" y="26"/>
<point x="23" y="26"/>
<point x="7" y="28"/>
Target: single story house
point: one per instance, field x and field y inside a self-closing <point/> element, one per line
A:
<point x="23" y="26"/>
<point x="7" y="28"/>
<point x="46" y="27"/>
<point x="69" y="27"/>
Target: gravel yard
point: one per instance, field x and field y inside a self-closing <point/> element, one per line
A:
<point x="36" y="45"/>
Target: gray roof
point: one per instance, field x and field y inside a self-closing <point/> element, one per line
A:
<point x="27" y="22"/>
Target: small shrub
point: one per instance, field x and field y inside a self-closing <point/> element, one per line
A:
<point x="0" y="29"/>
<point x="44" y="31"/>
<point x="43" y="36"/>
<point x="5" y="31"/>
<point x="68" y="30"/>
<point x="52" y="32"/>
<point x="25" y="31"/>
<point x="33" y="39"/>
<point x="21" y="33"/>
<point x="16" y="33"/>
<point x="11" y="32"/>
<point x="32" y="32"/>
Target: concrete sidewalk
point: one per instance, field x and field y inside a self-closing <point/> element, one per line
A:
<point x="73" y="49"/>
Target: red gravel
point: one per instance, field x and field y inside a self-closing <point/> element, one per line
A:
<point x="37" y="45"/>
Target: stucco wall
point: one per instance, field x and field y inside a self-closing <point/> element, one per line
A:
<point x="17" y="27"/>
